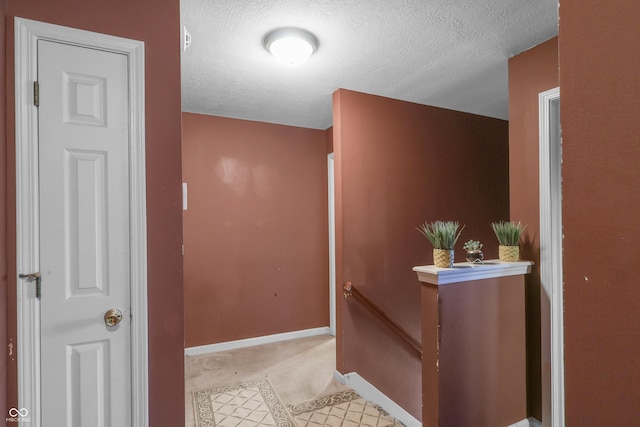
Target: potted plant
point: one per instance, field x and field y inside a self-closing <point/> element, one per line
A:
<point x="508" y="234"/>
<point x="474" y="253"/>
<point x="443" y="235"/>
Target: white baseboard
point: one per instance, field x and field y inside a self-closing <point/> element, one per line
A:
<point x="369" y="392"/>
<point x="529" y="422"/>
<point x="250" y="342"/>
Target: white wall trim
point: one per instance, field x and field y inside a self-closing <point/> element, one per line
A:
<point x="551" y="275"/>
<point x="369" y="392"/>
<point x="529" y="422"/>
<point x="250" y="342"/>
<point x="332" y="243"/>
<point x="27" y="33"/>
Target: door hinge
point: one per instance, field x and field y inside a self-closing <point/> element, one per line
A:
<point x="36" y="94"/>
<point x="33" y="276"/>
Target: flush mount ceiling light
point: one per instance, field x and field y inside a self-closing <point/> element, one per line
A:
<point x="290" y="45"/>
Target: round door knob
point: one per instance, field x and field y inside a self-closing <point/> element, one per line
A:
<point x="112" y="317"/>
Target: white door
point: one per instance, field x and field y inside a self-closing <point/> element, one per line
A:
<point x="84" y="236"/>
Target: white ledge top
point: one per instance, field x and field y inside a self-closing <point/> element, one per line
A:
<point x="465" y="272"/>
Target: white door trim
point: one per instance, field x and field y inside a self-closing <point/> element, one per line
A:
<point x="551" y="276"/>
<point x="332" y="244"/>
<point x="27" y="33"/>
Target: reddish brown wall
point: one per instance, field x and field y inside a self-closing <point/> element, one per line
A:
<point x="329" y="136"/>
<point x="256" y="236"/>
<point x="600" y="114"/>
<point x="158" y="25"/>
<point x="397" y="165"/>
<point x="530" y="73"/>
<point x="474" y="351"/>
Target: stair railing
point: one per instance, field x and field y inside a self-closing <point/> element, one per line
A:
<point x="350" y="291"/>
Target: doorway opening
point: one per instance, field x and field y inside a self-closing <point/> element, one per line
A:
<point x="551" y="276"/>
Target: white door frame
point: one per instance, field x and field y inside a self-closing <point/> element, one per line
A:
<point x="332" y="244"/>
<point x="551" y="276"/>
<point x="27" y="34"/>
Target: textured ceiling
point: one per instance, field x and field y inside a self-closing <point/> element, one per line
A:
<point x="446" y="53"/>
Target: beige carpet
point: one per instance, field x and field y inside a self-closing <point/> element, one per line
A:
<point x="285" y="384"/>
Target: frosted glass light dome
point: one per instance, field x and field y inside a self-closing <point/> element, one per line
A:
<point x="291" y="45"/>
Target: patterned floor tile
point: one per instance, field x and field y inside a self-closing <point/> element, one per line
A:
<point x="343" y="409"/>
<point x="247" y="404"/>
<point x="256" y="404"/>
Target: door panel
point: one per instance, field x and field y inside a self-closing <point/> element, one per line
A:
<point x="84" y="235"/>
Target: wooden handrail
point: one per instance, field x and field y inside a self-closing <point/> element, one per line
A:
<point x="349" y="291"/>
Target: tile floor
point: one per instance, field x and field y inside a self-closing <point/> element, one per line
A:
<point x="343" y="409"/>
<point x="287" y="384"/>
